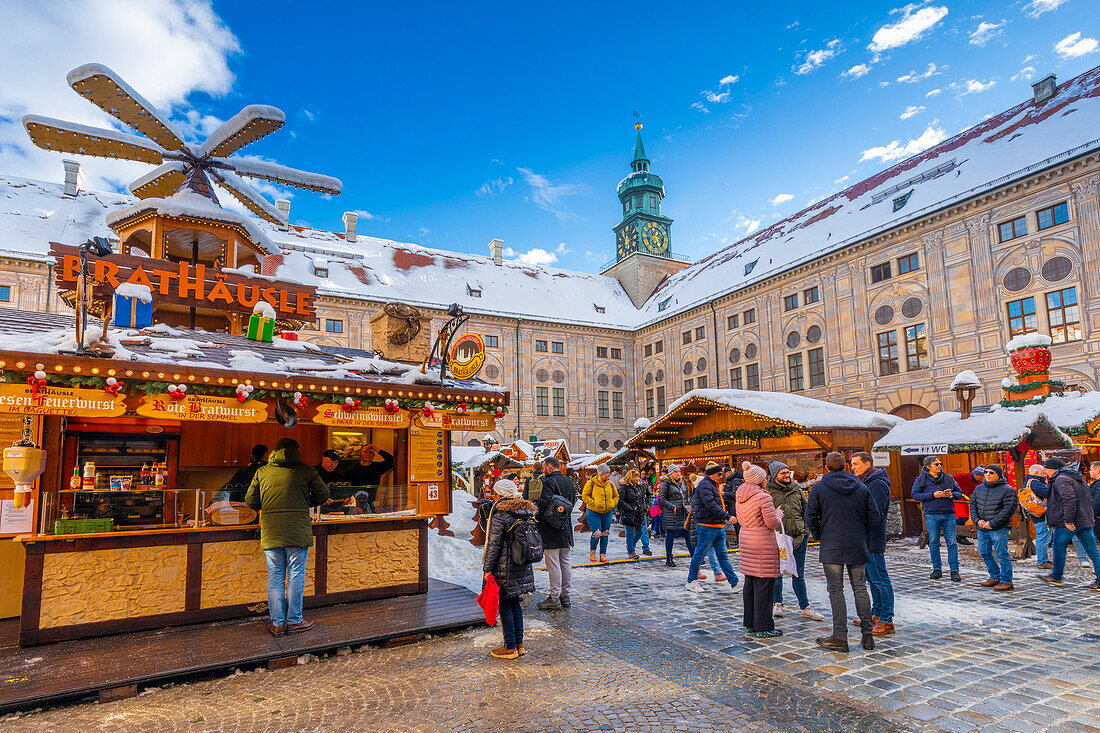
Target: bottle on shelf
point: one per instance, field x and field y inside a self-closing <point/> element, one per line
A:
<point x="75" y="481"/>
<point x="143" y="480"/>
<point x="161" y="475"/>
<point x="88" y="482"/>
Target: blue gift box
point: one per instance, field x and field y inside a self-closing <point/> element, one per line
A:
<point x="132" y="313"/>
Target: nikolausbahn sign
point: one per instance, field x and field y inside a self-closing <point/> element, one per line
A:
<point x="182" y="283"/>
<point x="20" y="399"/>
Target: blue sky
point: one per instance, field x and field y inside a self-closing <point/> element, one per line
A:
<point x="451" y="124"/>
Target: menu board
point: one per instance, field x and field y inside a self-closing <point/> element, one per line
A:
<point x="426" y="459"/>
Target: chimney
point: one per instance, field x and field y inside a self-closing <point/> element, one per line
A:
<point x="74" y="177"/>
<point x="284" y="206"/>
<point x="1044" y="88"/>
<point x="350" y="218"/>
<point x="496" y="251"/>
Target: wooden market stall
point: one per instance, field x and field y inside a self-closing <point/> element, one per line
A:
<point x="730" y="426"/>
<point x="108" y="548"/>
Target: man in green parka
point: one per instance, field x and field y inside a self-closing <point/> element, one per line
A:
<point x="283" y="491"/>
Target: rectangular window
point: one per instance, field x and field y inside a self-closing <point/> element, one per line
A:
<point x="700" y="333"/>
<point x="817" y="367"/>
<point x="540" y="346"/>
<point x="601" y="352"/>
<point x="794" y="372"/>
<point x="649" y="412"/>
<point x="601" y="404"/>
<point x="790" y="302"/>
<point x="660" y="400"/>
<point x="5" y="293"/>
<point x="334" y="326"/>
<point x="752" y="376"/>
<point x="689" y="384"/>
<point x="701" y="382"/>
<point x="687" y="337"/>
<point x="1012" y="229"/>
<point x="880" y="272"/>
<point x="732" y="322"/>
<point x="542" y="401"/>
<point x="658" y="347"/>
<point x="1021" y="317"/>
<point x="749" y="316"/>
<point x="1052" y="215"/>
<point x="648" y="349"/>
<point x="320" y="271"/>
<point x="1064" y="316"/>
<point x="811" y="295"/>
<point x="908" y="263"/>
<point x="599" y="308"/>
<point x="888" y="353"/>
<point x="559" y="401"/>
<point x="474" y="292"/>
<point x="735" y="379"/>
<point x="653" y="201"/>
<point x="616" y="353"/>
<point x="617" y="405"/>
<point x="916" y="348"/>
<point x="557" y="347"/>
<point x="638" y="201"/>
<point x="492" y="342"/>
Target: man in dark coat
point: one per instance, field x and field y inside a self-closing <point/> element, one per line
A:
<point x="556" y="540"/>
<point x="840" y="512"/>
<point x="991" y="507"/>
<point x="368" y="472"/>
<point x="709" y="512"/>
<point x="1070" y="514"/>
<point x="938" y="492"/>
<point x="877" y="482"/>
<point x="237" y="486"/>
<point x="283" y="492"/>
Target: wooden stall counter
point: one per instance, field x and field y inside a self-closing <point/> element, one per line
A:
<point x="85" y="585"/>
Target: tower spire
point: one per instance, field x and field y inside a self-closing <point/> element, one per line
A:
<point x="640" y="162"/>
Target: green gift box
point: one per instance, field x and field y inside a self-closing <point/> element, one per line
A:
<point x="260" y="328"/>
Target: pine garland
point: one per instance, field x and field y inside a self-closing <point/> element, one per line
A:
<point x="775" y="431"/>
<point x="1054" y="384"/>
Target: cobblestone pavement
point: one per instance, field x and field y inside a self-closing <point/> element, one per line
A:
<point x="964" y="658"/>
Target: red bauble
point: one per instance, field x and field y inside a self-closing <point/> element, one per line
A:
<point x="1031" y="360"/>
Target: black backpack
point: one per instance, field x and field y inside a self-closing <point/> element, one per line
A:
<point x="524" y="541"/>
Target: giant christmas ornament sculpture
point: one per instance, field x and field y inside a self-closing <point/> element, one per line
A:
<point x="1031" y="357"/>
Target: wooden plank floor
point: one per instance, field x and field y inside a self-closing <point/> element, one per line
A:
<point x="66" y="671"/>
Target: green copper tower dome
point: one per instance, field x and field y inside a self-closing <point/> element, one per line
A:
<point x="643" y="228"/>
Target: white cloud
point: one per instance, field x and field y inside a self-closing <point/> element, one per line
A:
<point x="842" y="179"/>
<point x="746" y="225"/>
<point x="535" y="256"/>
<point x="716" y="97"/>
<point x="780" y="199"/>
<point x="932" y="135"/>
<point x="914" y="23"/>
<point x="367" y="216"/>
<point x="423" y="231"/>
<point x="986" y="32"/>
<point x="816" y="59"/>
<point x="1074" y="45"/>
<point x="561" y="249"/>
<point x="701" y="107"/>
<point x="494" y="186"/>
<point x="594" y="256"/>
<point x="910" y="111"/>
<point x="857" y="71"/>
<point x="548" y="196"/>
<point x="1037" y="7"/>
<point x="963" y="87"/>
<point x="915" y="76"/>
<point x="1027" y="74"/>
<point x="730" y="79"/>
<point x="165" y="49"/>
<point x="934" y="93"/>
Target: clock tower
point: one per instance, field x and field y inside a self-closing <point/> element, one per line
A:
<point x="643" y="240"/>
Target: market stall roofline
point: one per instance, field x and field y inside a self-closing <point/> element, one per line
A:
<point x="999" y="430"/>
<point x="159" y="372"/>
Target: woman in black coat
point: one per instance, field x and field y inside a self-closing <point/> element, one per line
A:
<point x="514" y="580"/>
<point x="634" y="503"/>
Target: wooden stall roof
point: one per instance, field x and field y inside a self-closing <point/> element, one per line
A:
<point x="199" y="358"/>
<point x="997" y="430"/>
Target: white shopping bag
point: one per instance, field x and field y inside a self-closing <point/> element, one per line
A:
<point x="787" y="564"/>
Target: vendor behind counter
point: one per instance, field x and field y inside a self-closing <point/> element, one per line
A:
<point x="360" y="479"/>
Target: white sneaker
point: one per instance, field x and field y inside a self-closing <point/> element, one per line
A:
<point x="696" y="587"/>
<point x="777" y="610"/>
<point x="811" y="614"/>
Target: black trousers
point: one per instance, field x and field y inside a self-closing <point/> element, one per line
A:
<point x="758" y="603"/>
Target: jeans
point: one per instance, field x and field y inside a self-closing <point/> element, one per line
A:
<point x="670" y="537"/>
<point x="511" y="621"/>
<point x="633" y="534"/>
<point x="286" y="583"/>
<point x="882" y="590"/>
<point x="711" y="540"/>
<point x="944" y="524"/>
<point x="798" y="583"/>
<point x="559" y="570"/>
<point x="1062" y="538"/>
<point x="1043" y="536"/>
<point x="834" y="581"/>
<point x="655" y="525"/>
<point x="993" y="547"/>
<point x="599" y="523"/>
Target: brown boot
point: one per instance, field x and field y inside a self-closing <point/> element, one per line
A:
<point x="505" y="653"/>
<point x="279" y="630"/>
<point x="832" y="643"/>
<point x="882" y="629"/>
<point x="520" y="649"/>
<point x="868" y="642"/>
<point x="1003" y="586"/>
<point x="302" y="625"/>
<point x="603" y="559"/>
<point x="855" y="621"/>
<point x="988" y="583"/>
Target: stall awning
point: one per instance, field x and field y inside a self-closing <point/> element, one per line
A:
<point x="998" y="430"/>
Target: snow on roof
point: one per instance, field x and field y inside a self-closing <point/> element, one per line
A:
<point x="997" y="430"/>
<point x="460" y="454"/>
<point x="991" y="153"/>
<point x="965" y="378"/>
<point x="586" y="460"/>
<point x="1071" y="411"/>
<point x="804" y="411"/>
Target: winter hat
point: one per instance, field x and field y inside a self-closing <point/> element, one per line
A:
<point x="362" y="501"/>
<point x="978" y="474"/>
<point x="996" y="469"/>
<point x="603" y="470"/>
<point x="713" y="468"/>
<point x="507" y="488"/>
<point x="1053" y="463"/>
<point x="775" y="467"/>
<point x="754" y="474"/>
<point x="671" y="469"/>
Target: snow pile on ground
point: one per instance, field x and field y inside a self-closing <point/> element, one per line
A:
<point x="454" y="559"/>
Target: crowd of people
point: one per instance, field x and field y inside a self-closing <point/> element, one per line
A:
<point x="771" y="517"/>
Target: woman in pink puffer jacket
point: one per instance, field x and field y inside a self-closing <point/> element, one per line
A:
<point x="759" y="554"/>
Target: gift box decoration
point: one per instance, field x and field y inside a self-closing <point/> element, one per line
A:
<point x="132" y="312"/>
<point x="261" y="327"/>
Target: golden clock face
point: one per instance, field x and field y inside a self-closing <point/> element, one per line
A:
<point x="654" y="238"/>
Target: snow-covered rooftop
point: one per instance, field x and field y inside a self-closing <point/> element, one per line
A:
<point x="807" y="412"/>
<point x="998" y="430"/>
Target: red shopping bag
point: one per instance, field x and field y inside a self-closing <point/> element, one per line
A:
<point x="489" y="600"/>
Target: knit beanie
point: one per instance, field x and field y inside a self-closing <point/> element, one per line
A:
<point x="603" y="469"/>
<point x="978" y="474"/>
<point x="1053" y="463"/>
<point x="996" y="469"/>
<point x="506" y="488"/>
<point x="754" y="474"/>
<point x="775" y="467"/>
<point x="713" y="468"/>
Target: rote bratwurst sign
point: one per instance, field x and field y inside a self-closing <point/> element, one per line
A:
<point x="203" y="407"/>
<point x="181" y="283"/>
